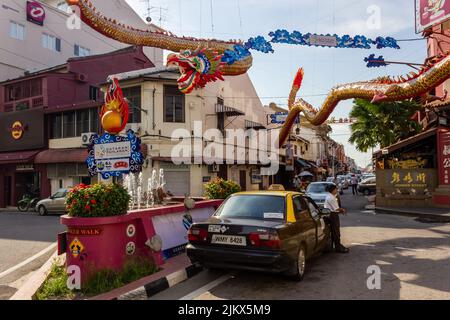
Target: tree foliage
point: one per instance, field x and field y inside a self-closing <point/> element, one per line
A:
<point x="383" y="123"/>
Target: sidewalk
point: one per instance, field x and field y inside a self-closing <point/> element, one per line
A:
<point x="434" y="214"/>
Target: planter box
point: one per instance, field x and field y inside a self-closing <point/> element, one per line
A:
<point x="98" y="243"/>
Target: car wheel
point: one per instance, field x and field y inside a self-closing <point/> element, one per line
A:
<point x="299" y="265"/>
<point x="42" y="211"/>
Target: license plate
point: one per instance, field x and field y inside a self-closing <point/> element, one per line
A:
<point x="229" y="240"/>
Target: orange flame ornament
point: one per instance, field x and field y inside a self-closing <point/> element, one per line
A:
<point x="114" y="113"/>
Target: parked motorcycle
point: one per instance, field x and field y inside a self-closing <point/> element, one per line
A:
<point x="27" y="202"/>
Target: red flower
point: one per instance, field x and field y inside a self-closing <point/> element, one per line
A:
<point x="87" y="207"/>
<point x="93" y="201"/>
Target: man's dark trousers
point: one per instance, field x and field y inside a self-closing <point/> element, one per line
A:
<point x="335" y="224"/>
<point x="355" y="189"/>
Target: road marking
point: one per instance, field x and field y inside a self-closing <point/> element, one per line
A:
<point x="207" y="287"/>
<point x="27" y="261"/>
<point x="363" y="245"/>
<point x="408" y="249"/>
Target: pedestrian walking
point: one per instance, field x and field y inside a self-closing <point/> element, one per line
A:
<point x="332" y="203"/>
<point x="354" y="182"/>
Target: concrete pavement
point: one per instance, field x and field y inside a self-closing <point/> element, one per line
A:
<point x="413" y="257"/>
<point x="23" y="235"/>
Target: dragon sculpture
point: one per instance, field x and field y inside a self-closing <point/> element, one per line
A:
<point x="200" y="60"/>
<point x="384" y="89"/>
<point x="205" y="60"/>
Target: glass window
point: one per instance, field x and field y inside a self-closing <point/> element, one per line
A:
<point x="299" y="206"/>
<point x="174" y="110"/>
<point x="82" y="121"/>
<point x="69" y="124"/>
<point x="62" y="6"/>
<point x="253" y="207"/>
<point x="56" y="125"/>
<point x="80" y="51"/>
<point x="133" y="95"/>
<point x="94" y="120"/>
<point x="313" y="209"/>
<point x="51" y="42"/>
<point x="16" y="30"/>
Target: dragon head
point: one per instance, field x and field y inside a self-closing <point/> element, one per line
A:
<point x="197" y="68"/>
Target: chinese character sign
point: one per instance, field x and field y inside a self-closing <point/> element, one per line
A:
<point x="431" y="12"/>
<point x="416" y="179"/>
<point x="444" y="157"/>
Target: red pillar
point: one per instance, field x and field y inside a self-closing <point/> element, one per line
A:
<point x="441" y="196"/>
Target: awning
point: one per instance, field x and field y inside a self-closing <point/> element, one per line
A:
<point x="408" y="141"/>
<point x="62" y="156"/>
<point x="228" y="111"/>
<point x="253" y="125"/>
<point x="303" y="163"/>
<point x="17" y="157"/>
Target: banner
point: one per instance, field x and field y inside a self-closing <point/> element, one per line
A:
<point x="430" y="13"/>
<point x="35" y="13"/>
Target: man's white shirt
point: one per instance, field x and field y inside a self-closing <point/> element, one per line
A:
<point x="331" y="202"/>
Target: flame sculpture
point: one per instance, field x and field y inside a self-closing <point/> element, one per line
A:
<point x="203" y="53"/>
<point x="384" y="89"/>
<point x="114" y="113"/>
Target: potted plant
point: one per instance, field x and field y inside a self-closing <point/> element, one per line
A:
<point x="221" y="189"/>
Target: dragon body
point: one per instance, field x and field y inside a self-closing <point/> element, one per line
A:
<point x="384" y="89"/>
<point x="209" y="59"/>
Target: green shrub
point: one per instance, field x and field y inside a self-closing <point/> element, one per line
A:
<point x="221" y="189"/>
<point x="98" y="200"/>
<point x="55" y="287"/>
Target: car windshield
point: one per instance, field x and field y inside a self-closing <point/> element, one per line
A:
<point x="317" y="188"/>
<point x="60" y="194"/>
<point x="260" y="207"/>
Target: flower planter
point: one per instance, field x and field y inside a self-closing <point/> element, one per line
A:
<point x="94" y="244"/>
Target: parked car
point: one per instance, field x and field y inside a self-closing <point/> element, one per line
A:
<point x="368" y="186"/>
<point x="271" y="231"/>
<point x="54" y="204"/>
<point x="318" y="192"/>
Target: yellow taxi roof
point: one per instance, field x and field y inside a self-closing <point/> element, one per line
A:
<point x="268" y="193"/>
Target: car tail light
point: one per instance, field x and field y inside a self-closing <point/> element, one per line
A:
<point x="266" y="240"/>
<point x="197" y="235"/>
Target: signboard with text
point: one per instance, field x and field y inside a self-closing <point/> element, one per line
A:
<point x="35" y="13"/>
<point x="430" y="13"/>
<point x="444" y="157"/>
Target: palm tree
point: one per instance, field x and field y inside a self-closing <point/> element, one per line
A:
<point x="382" y="123"/>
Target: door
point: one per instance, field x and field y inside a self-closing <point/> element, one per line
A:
<point x="223" y="171"/>
<point x="318" y="220"/>
<point x="305" y="225"/>
<point x="243" y="179"/>
<point x="177" y="182"/>
<point x="8" y="188"/>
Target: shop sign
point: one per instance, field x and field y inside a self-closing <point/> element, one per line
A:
<point x="280" y="118"/>
<point x="114" y="155"/>
<point x="444" y="157"/>
<point x="84" y="231"/>
<point x="430" y="13"/>
<point x="35" y="13"/>
<point x="256" y="176"/>
<point x="17" y="129"/>
<point x="24" y="167"/>
<point x="416" y="179"/>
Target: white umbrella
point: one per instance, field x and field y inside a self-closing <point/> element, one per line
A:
<point x="306" y="174"/>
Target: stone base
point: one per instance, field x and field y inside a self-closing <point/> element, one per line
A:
<point x="441" y="197"/>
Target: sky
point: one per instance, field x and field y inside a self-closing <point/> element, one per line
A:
<point x="272" y="74"/>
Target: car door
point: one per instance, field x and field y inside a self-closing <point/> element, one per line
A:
<point x="314" y="211"/>
<point x="56" y="201"/>
<point x="60" y="202"/>
<point x="305" y="225"/>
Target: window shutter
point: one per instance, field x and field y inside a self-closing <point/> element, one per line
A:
<point x="76" y="50"/>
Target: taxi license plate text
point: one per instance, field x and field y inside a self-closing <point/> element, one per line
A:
<point x="230" y="240"/>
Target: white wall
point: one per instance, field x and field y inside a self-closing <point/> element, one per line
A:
<point x="29" y="54"/>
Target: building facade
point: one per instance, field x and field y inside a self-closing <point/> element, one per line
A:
<point x="47" y="118"/>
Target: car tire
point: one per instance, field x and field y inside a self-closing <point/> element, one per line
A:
<point x="42" y="211"/>
<point x="299" y="266"/>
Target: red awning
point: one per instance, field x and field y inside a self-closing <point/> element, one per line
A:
<point x="62" y="156"/>
<point x="17" y="157"/>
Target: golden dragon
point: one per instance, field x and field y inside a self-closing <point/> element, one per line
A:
<point x="202" y="61"/>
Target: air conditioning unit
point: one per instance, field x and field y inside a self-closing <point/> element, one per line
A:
<point x="86" y="138"/>
<point x="81" y="77"/>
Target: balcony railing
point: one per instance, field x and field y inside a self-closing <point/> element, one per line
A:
<point x="24" y="104"/>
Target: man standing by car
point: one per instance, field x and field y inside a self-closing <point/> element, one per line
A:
<point x="331" y="203"/>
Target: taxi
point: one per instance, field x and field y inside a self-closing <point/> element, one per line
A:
<point x="273" y="231"/>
